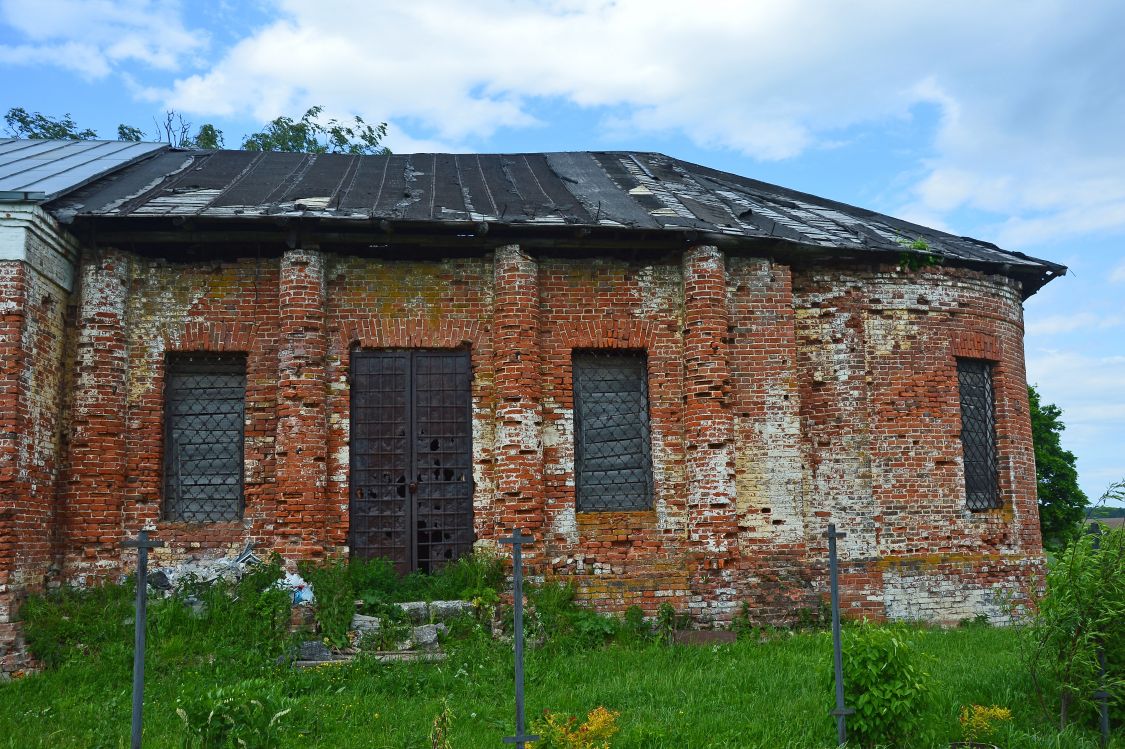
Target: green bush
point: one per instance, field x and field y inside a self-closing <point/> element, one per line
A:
<point x="333" y="598"/>
<point x="554" y="614"/>
<point x="884" y="684"/>
<point x="476" y="575"/>
<point x="1082" y="610"/>
<point x="241" y="624"/>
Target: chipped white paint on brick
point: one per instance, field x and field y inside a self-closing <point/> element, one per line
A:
<point x="661" y="292"/>
<point x="918" y="596"/>
<point x="104" y="293"/>
<point x="156" y="318"/>
<point x="39" y="446"/>
<point x="484" y="448"/>
<point x="30" y="234"/>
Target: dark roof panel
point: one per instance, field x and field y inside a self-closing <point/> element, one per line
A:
<point x="628" y="190"/>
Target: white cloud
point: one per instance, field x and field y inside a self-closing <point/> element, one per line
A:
<point x="1027" y="95"/>
<point x="1090" y="390"/>
<point x="1117" y="275"/>
<point x="1084" y="321"/>
<point x="1029" y="102"/>
<point x="94" y="37"/>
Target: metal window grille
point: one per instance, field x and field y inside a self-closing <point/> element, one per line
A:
<point x="613" y="454"/>
<point x="978" y="434"/>
<point x="204" y="407"/>
<point x="411" y="457"/>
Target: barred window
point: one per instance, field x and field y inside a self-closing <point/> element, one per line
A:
<point x="978" y="433"/>
<point x="612" y="453"/>
<point x="204" y="406"/>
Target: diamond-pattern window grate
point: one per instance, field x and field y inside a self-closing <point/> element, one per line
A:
<point x="978" y="434"/>
<point x="411" y="457"/>
<point x="204" y="407"/>
<point x="613" y="454"/>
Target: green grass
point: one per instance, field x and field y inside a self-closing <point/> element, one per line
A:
<point x="751" y="694"/>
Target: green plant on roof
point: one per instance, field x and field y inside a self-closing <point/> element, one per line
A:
<point x="918" y="256"/>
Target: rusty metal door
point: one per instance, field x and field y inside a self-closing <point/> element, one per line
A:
<point x="411" y="457"/>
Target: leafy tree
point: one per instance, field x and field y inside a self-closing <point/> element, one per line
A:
<point x="306" y="135"/>
<point x="310" y="135"/>
<point x="24" y="124"/>
<point x="1062" y="504"/>
<point x="209" y="138"/>
<point x="130" y="133"/>
<point x="176" y="131"/>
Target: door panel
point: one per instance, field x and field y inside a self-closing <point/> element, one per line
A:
<point x="411" y="457"/>
<point x="442" y="457"/>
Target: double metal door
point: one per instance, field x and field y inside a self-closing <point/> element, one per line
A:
<point x="411" y="456"/>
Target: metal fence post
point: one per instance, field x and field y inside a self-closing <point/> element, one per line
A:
<point x="142" y="544"/>
<point x="517" y="540"/>
<point x="841" y="712"/>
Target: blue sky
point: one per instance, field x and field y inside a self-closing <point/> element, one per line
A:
<point x="999" y="120"/>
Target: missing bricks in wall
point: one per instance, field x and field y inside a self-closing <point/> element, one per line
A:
<point x="777" y="399"/>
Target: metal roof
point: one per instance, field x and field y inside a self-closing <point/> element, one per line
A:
<point x="41" y="170"/>
<point x="528" y="193"/>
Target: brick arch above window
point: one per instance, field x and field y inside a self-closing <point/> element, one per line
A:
<point x="972" y="344"/>
<point x="408" y="333"/>
<point x="203" y="335"/>
<point x="608" y="334"/>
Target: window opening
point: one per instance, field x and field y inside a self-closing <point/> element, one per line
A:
<point x="978" y="433"/>
<point x="613" y="460"/>
<point x="204" y="411"/>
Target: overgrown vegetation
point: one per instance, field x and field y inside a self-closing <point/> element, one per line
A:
<point x="983" y="722"/>
<point x="215" y="677"/>
<point x="477" y="575"/>
<point x="567" y="732"/>
<point x="885" y="684"/>
<point x="917" y="255"/>
<point x="1081" y="614"/>
<point x="1062" y="504"/>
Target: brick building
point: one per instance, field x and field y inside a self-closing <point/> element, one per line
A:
<point x="673" y="377"/>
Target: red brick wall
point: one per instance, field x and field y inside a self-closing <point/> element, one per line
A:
<point x="131" y="312"/>
<point x="617" y="559"/>
<point x="781" y="399"/>
<point x="880" y="401"/>
<point x="32" y="311"/>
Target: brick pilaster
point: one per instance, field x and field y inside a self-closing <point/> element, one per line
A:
<point x="13" y="299"/>
<point x="519" y="413"/>
<point x="11" y="645"/>
<point x="95" y="468"/>
<point x="302" y="420"/>
<point x="708" y="428"/>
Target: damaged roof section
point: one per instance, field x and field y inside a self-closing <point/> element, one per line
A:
<point x="40" y="170"/>
<point x="532" y="191"/>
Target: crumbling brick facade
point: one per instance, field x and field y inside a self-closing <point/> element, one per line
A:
<point x="34" y="296"/>
<point x="782" y="397"/>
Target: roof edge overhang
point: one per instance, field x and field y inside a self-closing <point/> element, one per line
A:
<point x="159" y="234"/>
